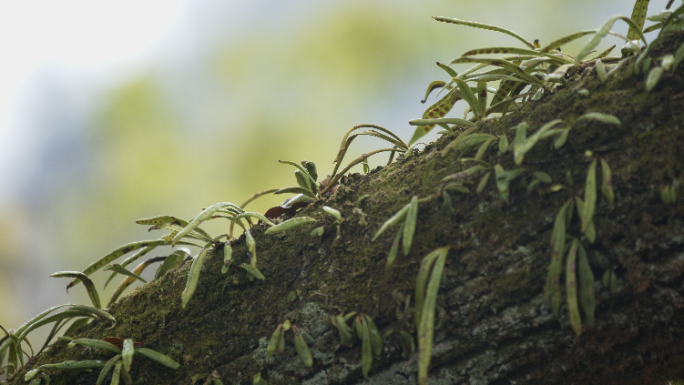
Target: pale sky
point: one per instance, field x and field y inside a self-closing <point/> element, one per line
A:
<point x="90" y="44"/>
<point x="95" y="42"/>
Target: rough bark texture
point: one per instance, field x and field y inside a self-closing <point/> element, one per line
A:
<point x="496" y="327"/>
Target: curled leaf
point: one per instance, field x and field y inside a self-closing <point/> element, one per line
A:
<point x="90" y="286"/>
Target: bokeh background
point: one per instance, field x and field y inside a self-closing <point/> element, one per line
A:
<point x="114" y="110"/>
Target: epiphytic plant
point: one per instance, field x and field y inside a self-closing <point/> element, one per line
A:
<point x="534" y="68"/>
<point x="120" y="363"/>
<point x="366" y="332"/>
<point x="277" y="343"/>
<point x="11" y="343"/>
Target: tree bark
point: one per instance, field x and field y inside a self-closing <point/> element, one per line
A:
<point x="496" y="327"/>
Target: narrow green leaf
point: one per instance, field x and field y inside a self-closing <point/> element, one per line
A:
<point x="317" y="232"/>
<point x="27" y="377"/>
<point x="482" y="97"/>
<point x="394" y="250"/>
<point x="93" y="267"/>
<point x="289" y="224"/>
<point x="375" y="337"/>
<point x="164" y="219"/>
<point x="427" y="320"/>
<point x="653" y="27"/>
<point x="519" y="150"/>
<point x="255" y="215"/>
<point x="141" y="253"/>
<point x="104" y="345"/>
<point x="505" y="88"/>
<point x="127" y="354"/>
<point x="560" y="140"/>
<point x="172" y="261"/>
<point x="607" y="182"/>
<point x="586" y="278"/>
<point x="483" y="148"/>
<point x="469" y="97"/>
<point x="107" y="368"/>
<point x="520" y="136"/>
<point x="407" y="342"/>
<point x="553" y="293"/>
<point x="601" y="71"/>
<point x="90" y="286"/>
<point x="302" y="180"/>
<point x="503" y="64"/>
<point x="567" y="39"/>
<point x="425" y="266"/>
<point x="587" y="213"/>
<point x="257" y="380"/>
<point x="667" y="61"/>
<point x="605" y="52"/>
<point x="252" y="270"/>
<point x="502" y="182"/>
<point x="501" y="50"/>
<point x="227" y="257"/>
<point x="273" y="342"/>
<point x="437" y="110"/>
<point x="410" y="225"/>
<point x="296" y="190"/>
<point x="450" y="71"/>
<point x="88" y="311"/>
<point x="332" y="212"/>
<point x="75" y="365"/>
<point x="395" y="141"/>
<point x="601" y="117"/>
<point x="653" y="78"/>
<point x="571" y="289"/>
<point x="456" y="121"/>
<point x="122" y="270"/>
<point x="606" y="278"/>
<point x="361" y="327"/>
<point x="396" y="218"/>
<point x="203" y="216"/>
<point x="129" y="280"/>
<point x="483" y="182"/>
<point x="194" y="274"/>
<point x="162" y="359"/>
<point x="638" y="17"/>
<point x="489" y="27"/>
<point x="591" y="44"/>
<point x="542" y="176"/>
<point x="302" y="348"/>
<point x="678" y="57"/>
<point x="431" y="87"/>
<point x="503" y="144"/>
<point x="301" y="168"/>
<point x="591" y="232"/>
<point x="463" y="143"/>
<point x="345" y="332"/>
<point x="116" y="375"/>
